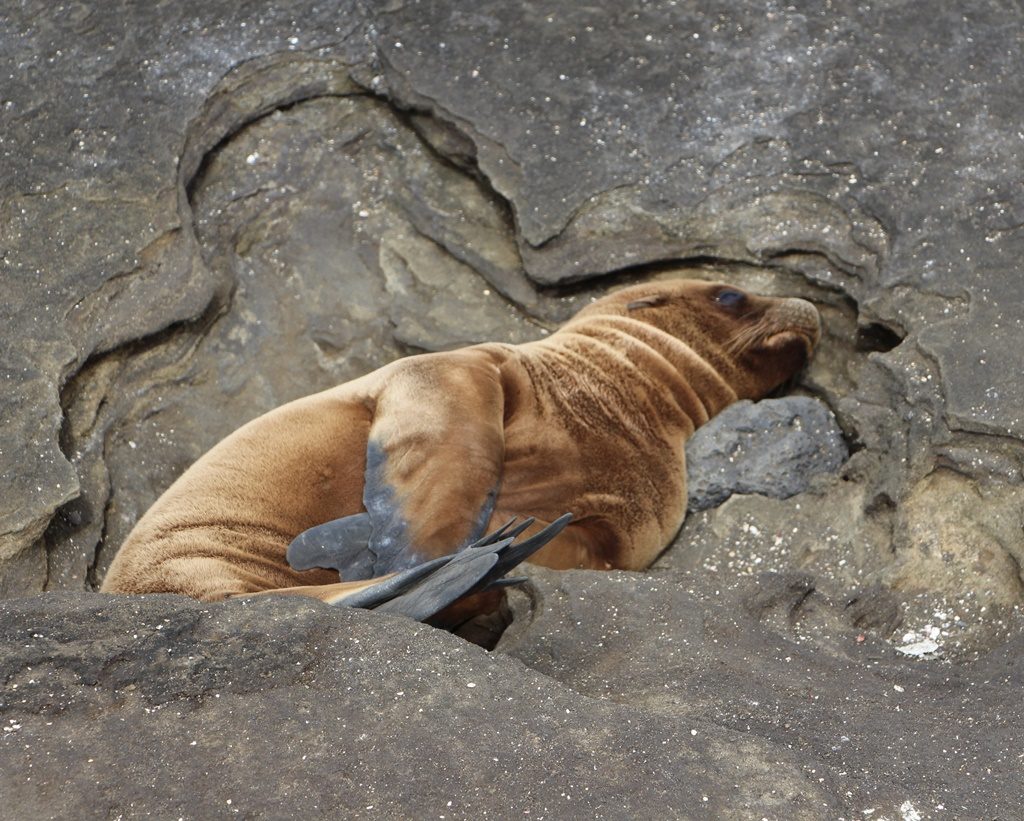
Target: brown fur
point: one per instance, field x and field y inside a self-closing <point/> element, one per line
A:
<point x="591" y="420"/>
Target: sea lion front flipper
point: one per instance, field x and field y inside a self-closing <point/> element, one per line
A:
<point x="434" y="458"/>
<point x="341" y="544"/>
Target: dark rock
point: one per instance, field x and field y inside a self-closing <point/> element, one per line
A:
<point x="652" y="698"/>
<point x="874" y="608"/>
<point x="839" y="696"/>
<point x="775" y="592"/>
<point x="775" y="448"/>
<point x="165" y="707"/>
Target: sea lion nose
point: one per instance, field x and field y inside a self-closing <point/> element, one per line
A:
<point x="801" y="315"/>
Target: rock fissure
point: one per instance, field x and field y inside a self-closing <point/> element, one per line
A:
<point x="290" y="100"/>
<point x="94" y="402"/>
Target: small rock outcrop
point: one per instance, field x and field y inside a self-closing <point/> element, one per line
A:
<point x="774" y="448"/>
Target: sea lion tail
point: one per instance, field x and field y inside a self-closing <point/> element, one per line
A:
<point x="426" y="589"/>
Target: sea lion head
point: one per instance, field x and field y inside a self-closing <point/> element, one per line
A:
<point x="756" y="343"/>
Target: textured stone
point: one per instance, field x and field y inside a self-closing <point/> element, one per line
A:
<point x="775" y="448"/>
<point x="952" y="537"/>
<point x="164" y="707"/>
<point x="780" y="657"/>
<point x="100" y="261"/>
<point x="183" y="246"/>
<point x="158" y="706"/>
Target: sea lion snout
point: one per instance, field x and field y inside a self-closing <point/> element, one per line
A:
<point x="798" y="316"/>
<point x="802" y="314"/>
<point x="791" y="325"/>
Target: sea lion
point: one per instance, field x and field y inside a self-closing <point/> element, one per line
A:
<point x="401" y="466"/>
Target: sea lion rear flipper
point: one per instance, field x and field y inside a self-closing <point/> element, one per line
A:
<point x="441" y="588"/>
<point x="425" y="590"/>
<point x="421" y="591"/>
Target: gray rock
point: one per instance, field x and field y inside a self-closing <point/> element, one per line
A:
<point x="775" y="447"/>
<point x="647" y="699"/>
<point x="781" y="657"/>
<point x="168" y="708"/>
<point x="955" y="539"/>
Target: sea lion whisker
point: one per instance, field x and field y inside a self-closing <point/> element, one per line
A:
<point x="744" y="338"/>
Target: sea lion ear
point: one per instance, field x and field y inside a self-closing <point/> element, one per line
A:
<point x="647" y="302"/>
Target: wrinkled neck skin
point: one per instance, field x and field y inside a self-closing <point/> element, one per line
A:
<point x="638" y="366"/>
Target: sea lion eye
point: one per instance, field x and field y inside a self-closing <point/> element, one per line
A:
<point x="729" y="298"/>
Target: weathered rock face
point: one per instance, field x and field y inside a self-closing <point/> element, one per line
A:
<point x="209" y="209"/>
<point x="158" y="706"/>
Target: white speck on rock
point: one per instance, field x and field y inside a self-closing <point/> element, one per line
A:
<point x="909" y="812"/>
<point x="918" y="646"/>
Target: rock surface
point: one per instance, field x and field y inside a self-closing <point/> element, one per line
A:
<point x="210" y="208"/>
<point x="156" y="706"/>
<point x="774" y="448"/>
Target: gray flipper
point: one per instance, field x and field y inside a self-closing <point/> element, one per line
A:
<point x="506" y="531"/>
<point x="348" y="545"/>
<point x="370" y="597"/>
<point x="341" y="544"/>
<point x="425" y="590"/>
<point x="517" y="553"/>
<point x="444" y="586"/>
